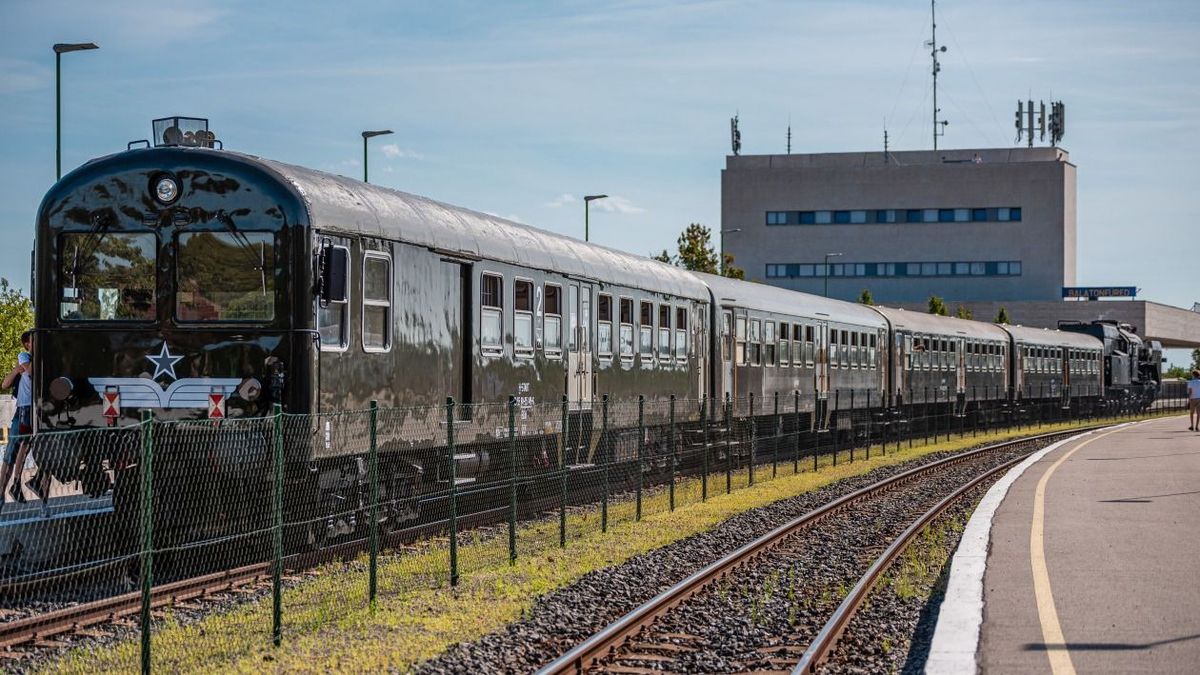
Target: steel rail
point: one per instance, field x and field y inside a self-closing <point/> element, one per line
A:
<point x="827" y="639"/>
<point x="600" y="645"/>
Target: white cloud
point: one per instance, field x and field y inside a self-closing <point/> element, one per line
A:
<point x="561" y="200"/>
<point x="617" y="204"/>
<point x="393" y="151"/>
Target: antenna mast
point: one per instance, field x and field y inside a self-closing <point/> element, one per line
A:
<point x="933" y="53"/>
<point x="789" y="136"/>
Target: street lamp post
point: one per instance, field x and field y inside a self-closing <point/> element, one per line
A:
<point x="366" y="135"/>
<point x="587" y="204"/>
<point x="721" y="262"/>
<point x="60" y="49"/>
<point x="827" y="257"/>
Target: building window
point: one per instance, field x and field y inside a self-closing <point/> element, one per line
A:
<point x="808" y="218"/>
<point x="777" y="217"/>
<point x="945" y="215"/>
<point x="929" y="215"/>
<point x="1014" y="268"/>
<point x="523" y="317"/>
<point x="979" y="215"/>
<point x="823" y="217"/>
<point x="978" y="269"/>
<point x="806" y="270"/>
<point x="885" y="216"/>
<point x="858" y="217"/>
<point x="491" y="302"/>
<point x="962" y="268"/>
<point x="913" y="216"/>
<point x="552" y="322"/>
<point x="962" y="215"/>
<point x="943" y="269"/>
<point x="1002" y="214"/>
<point x="1014" y="214"/>
<point x="928" y="269"/>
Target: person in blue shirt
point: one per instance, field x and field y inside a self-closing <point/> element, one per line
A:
<point x="22" y="378"/>
<point x="1193" y="388"/>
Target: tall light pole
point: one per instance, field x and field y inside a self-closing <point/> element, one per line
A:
<point x="366" y="135"/>
<point x="587" y="207"/>
<point x="721" y="262"/>
<point x="60" y="49"/>
<point x="827" y="257"/>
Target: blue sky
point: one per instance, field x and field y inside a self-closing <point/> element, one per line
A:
<point x="519" y="108"/>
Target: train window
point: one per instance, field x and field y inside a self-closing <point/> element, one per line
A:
<point x="377" y="302"/>
<point x="572" y="317"/>
<point x="845" y="359"/>
<point x="626" y="336"/>
<point x="755" y="342"/>
<point x="523" y="317"/>
<point x="491" y="302"/>
<point x="740" y="341"/>
<point x="727" y="336"/>
<point x="110" y="276"/>
<point x="681" y="335"/>
<point x="604" y="324"/>
<point x="832" y="357"/>
<point x="552" y="321"/>
<point x="220" y="276"/>
<point x="854" y="360"/>
<point x="809" y="346"/>
<point x="797" y="345"/>
<point x="769" y="343"/>
<point x="664" y="332"/>
<point x="646" y="330"/>
<point x="784" y="353"/>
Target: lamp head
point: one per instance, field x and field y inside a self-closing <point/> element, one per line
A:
<point x="372" y="134"/>
<point x="64" y="47"/>
<point x="588" y="198"/>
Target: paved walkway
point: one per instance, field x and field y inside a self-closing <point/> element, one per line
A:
<point x="1094" y="561"/>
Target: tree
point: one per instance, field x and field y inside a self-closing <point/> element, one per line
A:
<point x="963" y="312"/>
<point x="1178" y="373"/>
<point x="1196" y="359"/>
<point x="1002" y="316"/>
<point x="865" y="298"/>
<point x="695" y="249"/>
<point x="697" y="254"/>
<point x="16" y="317"/>
<point x="937" y="306"/>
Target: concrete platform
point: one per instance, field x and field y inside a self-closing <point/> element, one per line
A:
<point x="1093" y="564"/>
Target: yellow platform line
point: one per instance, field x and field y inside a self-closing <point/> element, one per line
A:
<point x="1052" y="635"/>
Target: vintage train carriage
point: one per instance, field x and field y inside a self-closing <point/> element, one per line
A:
<point x="1052" y="364"/>
<point x="1132" y="366"/>
<point x="946" y="359"/>
<point x="770" y="340"/>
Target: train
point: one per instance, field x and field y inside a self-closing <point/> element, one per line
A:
<point x="208" y="286"/>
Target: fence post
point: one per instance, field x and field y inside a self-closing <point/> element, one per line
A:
<point x="147" y="526"/>
<point x="816" y="426"/>
<point x="775" y="440"/>
<point x="453" y="491"/>
<point x="728" y="446"/>
<point x="753" y="438"/>
<point x="912" y="409"/>
<point x="373" y="473"/>
<point x="870" y="424"/>
<point x="562" y="476"/>
<point x="671" y="449"/>
<point x="606" y="457"/>
<point x="641" y="445"/>
<point x="512" y="480"/>
<point x="277" y="534"/>
<point x="704" y="402"/>
<point x="796" y="439"/>
<point x="833" y="431"/>
<point x="853" y="438"/>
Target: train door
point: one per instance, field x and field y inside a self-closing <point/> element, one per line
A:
<point x="727" y="353"/>
<point x="580" y="372"/>
<point x="821" y="373"/>
<point x="902" y="364"/>
<point x="960" y="364"/>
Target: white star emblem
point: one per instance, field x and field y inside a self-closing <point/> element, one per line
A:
<point x="164" y="362"/>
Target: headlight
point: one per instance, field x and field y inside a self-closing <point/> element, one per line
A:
<point x="166" y="190"/>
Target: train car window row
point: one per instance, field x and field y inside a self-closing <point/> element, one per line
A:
<point x="604" y="325"/>
<point x="491" y="323"/>
<point x="664" y="332"/>
<point x="333" y="318"/>
<point x="891" y="216"/>
<point x="626" y="329"/>
<point x="523" y="318"/>
<point x="681" y="333"/>
<point x="552" y="321"/>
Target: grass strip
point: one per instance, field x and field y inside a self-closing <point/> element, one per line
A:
<point x="329" y="626"/>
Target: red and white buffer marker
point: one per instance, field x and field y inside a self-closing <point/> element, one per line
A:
<point x="111" y="402"/>
<point x="216" y="405"/>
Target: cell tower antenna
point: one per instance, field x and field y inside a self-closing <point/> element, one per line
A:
<point x="735" y="135"/>
<point x="939" y="126"/>
<point x="789" y="135"/>
<point x="885" y="143"/>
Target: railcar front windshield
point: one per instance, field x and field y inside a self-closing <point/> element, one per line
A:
<point x="225" y="276"/>
<point x="107" y="276"/>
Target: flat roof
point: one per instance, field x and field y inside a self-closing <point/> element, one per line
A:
<point x="899" y="158"/>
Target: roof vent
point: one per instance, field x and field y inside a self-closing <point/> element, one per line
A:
<point x="189" y="132"/>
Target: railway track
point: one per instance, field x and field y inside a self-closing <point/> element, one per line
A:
<point x="649" y="638"/>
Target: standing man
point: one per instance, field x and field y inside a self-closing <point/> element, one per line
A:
<point x="1194" y="401"/>
<point x="22" y="377"/>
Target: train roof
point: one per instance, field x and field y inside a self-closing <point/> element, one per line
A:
<point x="732" y="292"/>
<point x="934" y="324"/>
<point x="1053" y="337"/>
<point x="341" y="204"/>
